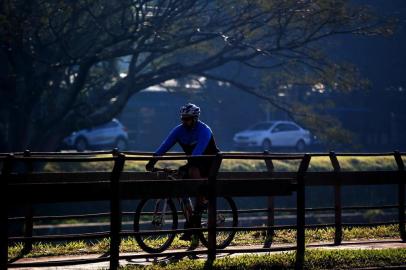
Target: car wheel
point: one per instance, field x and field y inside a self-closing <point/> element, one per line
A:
<point x="266" y="144"/>
<point x="81" y="144"/>
<point x="300" y="146"/>
<point x="121" y="144"/>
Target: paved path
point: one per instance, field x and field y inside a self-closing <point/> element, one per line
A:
<point x="378" y="244"/>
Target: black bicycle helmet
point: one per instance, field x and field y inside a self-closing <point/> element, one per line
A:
<point x="190" y="110"/>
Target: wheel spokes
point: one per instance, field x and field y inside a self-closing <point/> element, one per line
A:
<point x="155" y="216"/>
<point x="224" y="218"/>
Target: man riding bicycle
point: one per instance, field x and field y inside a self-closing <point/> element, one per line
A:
<point x="195" y="138"/>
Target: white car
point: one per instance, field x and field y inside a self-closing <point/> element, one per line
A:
<point x="111" y="134"/>
<point x="273" y="134"/>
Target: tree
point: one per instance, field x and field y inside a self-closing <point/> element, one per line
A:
<point x="64" y="60"/>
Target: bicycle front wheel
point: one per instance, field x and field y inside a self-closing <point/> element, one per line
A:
<point x="155" y="215"/>
<point x="226" y="216"/>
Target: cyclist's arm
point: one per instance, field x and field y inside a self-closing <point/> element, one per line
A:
<point x="168" y="142"/>
<point x="203" y="140"/>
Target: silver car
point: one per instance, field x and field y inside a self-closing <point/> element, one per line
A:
<point x="111" y="134"/>
<point x="273" y="134"/>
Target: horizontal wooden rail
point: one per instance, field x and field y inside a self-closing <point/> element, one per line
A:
<point x="87" y="191"/>
<point x="82" y="236"/>
<point x="354" y="178"/>
<point x="240" y="211"/>
<point x="311" y="178"/>
<point x="83" y="216"/>
<point x="64" y="159"/>
<point x="65" y="153"/>
<point x="146" y="153"/>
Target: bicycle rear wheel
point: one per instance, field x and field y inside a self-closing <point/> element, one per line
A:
<point x="155" y="215"/>
<point x="226" y="216"/>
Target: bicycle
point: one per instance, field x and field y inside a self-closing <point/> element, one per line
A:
<point x="161" y="214"/>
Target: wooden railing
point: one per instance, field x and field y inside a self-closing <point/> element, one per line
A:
<point x="27" y="187"/>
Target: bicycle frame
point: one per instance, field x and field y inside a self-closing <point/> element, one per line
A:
<point x="185" y="203"/>
<point x="160" y="217"/>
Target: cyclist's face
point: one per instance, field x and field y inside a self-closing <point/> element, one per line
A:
<point x="187" y="121"/>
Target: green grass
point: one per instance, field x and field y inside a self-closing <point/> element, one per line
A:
<point x="314" y="259"/>
<point x="316" y="164"/>
<point x="241" y="239"/>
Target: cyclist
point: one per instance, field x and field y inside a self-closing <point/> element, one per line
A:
<point x="195" y="138"/>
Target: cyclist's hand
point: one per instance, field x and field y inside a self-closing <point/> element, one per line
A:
<point x="150" y="165"/>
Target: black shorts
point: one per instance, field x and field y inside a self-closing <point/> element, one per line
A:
<point x="203" y="164"/>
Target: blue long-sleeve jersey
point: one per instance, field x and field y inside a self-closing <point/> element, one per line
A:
<point x="194" y="141"/>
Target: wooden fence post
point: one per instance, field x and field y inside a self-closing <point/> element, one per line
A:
<point x="271" y="205"/>
<point x="401" y="196"/>
<point x="6" y="170"/>
<point x="301" y="212"/>
<point x="29" y="213"/>
<point x="115" y="208"/>
<point x="337" y="199"/>
<point x="212" y="207"/>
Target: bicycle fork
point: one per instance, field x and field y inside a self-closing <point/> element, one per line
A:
<point x="158" y="218"/>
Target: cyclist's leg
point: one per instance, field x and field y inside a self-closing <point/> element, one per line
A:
<point x="188" y="213"/>
<point x="187" y="206"/>
<point x="194" y="170"/>
<point x="195" y="173"/>
<point x="186" y="203"/>
<point x="200" y="169"/>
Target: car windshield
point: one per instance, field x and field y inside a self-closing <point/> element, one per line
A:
<point x="262" y="126"/>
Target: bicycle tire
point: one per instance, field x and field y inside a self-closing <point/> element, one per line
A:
<point x="140" y="238"/>
<point x="224" y="243"/>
